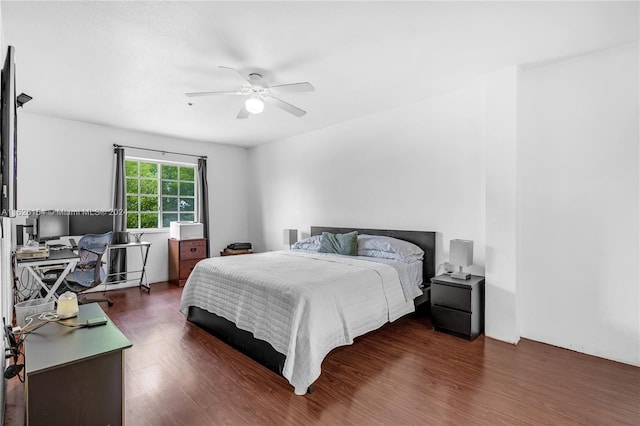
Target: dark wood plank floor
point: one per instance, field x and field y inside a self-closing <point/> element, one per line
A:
<point x="404" y="373"/>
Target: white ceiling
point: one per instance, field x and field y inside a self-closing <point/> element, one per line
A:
<point x="128" y="64"/>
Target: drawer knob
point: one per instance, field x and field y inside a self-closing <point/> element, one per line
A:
<point x="193" y="249"/>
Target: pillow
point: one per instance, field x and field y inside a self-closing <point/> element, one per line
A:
<point x="339" y="243"/>
<point x="309" y="244"/>
<point x="388" y="248"/>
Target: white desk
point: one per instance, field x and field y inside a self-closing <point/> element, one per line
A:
<point x="64" y="257"/>
<point x="144" y="253"/>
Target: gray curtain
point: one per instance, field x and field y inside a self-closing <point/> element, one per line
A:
<point x="119" y="257"/>
<point x="203" y="199"/>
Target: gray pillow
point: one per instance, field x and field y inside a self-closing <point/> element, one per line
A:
<point x="346" y="244"/>
<point x="388" y="248"/>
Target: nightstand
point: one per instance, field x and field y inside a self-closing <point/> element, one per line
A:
<point x="228" y="252"/>
<point x="457" y="306"/>
<point x="183" y="256"/>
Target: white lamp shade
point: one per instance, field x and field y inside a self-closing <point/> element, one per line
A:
<point x="67" y="305"/>
<point x="254" y="105"/>
<point x="461" y="252"/>
<point x="290" y="236"/>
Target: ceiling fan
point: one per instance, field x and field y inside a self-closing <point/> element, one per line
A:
<point x="258" y="92"/>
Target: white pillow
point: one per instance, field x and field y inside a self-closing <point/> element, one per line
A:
<point x="388" y="248"/>
<point x="309" y="244"/>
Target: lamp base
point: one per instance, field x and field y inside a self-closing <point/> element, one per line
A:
<point x="68" y="315"/>
<point x="461" y="275"/>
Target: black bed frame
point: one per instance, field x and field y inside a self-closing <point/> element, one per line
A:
<point x="261" y="350"/>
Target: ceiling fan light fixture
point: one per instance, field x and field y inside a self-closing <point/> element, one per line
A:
<point x="254" y="105"/>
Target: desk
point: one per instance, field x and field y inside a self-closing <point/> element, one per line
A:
<point x="144" y="253"/>
<point x="75" y="376"/>
<point x="65" y="257"/>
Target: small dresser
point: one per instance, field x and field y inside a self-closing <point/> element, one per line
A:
<point x="457" y="306"/>
<point x="183" y="256"/>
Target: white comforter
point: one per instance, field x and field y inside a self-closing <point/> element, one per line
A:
<point x="303" y="304"/>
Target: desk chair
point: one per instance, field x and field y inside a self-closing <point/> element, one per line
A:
<point x="89" y="272"/>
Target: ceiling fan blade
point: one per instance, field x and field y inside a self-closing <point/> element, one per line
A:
<point x="243" y="113"/>
<point x="292" y="109"/>
<point x="293" y="87"/>
<point x="230" y="92"/>
<point x="238" y="72"/>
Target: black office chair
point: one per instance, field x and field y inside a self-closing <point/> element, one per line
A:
<point x="88" y="272"/>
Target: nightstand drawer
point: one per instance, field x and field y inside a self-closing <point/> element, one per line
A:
<point x="186" y="267"/>
<point x="451" y="319"/>
<point x="451" y="297"/>
<point x="196" y="249"/>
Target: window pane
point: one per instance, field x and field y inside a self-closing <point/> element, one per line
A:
<point x="186" y="173"/>
<point x="170" y="204"/>
<point x="132" y="186"/>
<point x="186" y="204"/>
<point x="149" y="170"/>
<point x="186" y="188"/>
<point x="159" y="193"/>
<point x="131" y="168"/>
<point x="167" y="218"/>
<point x="132" y="220"/>
<point x="169" y="188"/>
<point x="149" y="220"/>
<point x="132" y="203"/>
<point x="148" y="186"/>
<point x="149" y="204"/>
<point x="169" y="172"/>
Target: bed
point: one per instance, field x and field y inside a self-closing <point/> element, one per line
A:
<point x="287" y="310"/>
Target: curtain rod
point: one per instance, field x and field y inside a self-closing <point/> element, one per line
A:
<point x="115" y="145"/>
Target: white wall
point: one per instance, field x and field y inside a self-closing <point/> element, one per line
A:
<point x="501" y="313"/>
<point x="541" y="170"/>
<point x="578" y="190"/>
<point x="419" y="167"/>
<point x="65" y="164"/>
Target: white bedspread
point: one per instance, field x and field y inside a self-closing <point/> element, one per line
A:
<point x="303" y="304"/>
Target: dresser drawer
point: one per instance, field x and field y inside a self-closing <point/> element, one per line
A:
<point x="196" y="249"/>
<point x="186" y="267"/>
<point x="451" y="319"/>
<point x="451" y="297"/>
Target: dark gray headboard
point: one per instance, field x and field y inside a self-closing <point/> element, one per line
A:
<point x="423" y="239"/>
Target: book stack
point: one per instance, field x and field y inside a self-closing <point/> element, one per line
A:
<point x="237" y="248"/>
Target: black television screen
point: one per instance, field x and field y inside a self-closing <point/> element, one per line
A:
<point x="81" y="223"/>
<point x="8" y="137"/>
<point x="52" y="226"/>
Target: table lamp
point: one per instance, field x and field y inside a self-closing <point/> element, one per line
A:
<point x="290" y="236"/>
<point x="461" y="255"/>
<point x="67" y="305"/>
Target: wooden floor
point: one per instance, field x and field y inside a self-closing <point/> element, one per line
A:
<point x="404" y="373"/>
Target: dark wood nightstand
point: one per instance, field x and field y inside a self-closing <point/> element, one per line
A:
<point x="183" y="256"/>
<point x="228" y="252"/>
<point x="457" y="306"/>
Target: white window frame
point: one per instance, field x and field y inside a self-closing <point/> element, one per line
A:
<point x="159" y="179"/>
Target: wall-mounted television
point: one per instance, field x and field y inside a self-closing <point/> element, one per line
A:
<point x="8" y="137"/>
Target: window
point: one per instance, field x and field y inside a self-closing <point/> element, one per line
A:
<point x="159" y="193"/>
